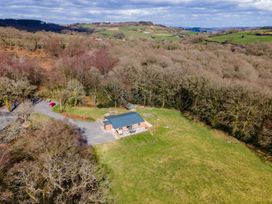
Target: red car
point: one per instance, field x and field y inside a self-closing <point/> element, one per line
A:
<point x="52" y="104"/>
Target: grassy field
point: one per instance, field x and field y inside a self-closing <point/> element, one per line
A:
<point x="180" y="161"/>
<point x="142" y="32"/>
<point x="135" y="32"/>
<point x="241" y="38"/>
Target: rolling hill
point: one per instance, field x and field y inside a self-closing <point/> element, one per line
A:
<point x="37" y="25"/>
<point x="244" y="37"/>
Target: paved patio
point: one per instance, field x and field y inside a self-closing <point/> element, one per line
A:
<point x="127" y="133"/>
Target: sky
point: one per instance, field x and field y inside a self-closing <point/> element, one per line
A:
<point x="183" y="13"/>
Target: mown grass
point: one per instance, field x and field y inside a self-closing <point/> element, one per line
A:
<point x="241" y="38"/>
<point x="180" y="161"/>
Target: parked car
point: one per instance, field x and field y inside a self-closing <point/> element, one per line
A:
<point x="14" y="105"/>
<point x="35" y="100"/>
<point x="52" y="104"/>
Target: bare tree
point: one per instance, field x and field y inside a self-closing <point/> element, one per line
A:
<point x="61" y="170"/>
<point x="25" y="110"/>
<point x="75" y="92"/>
<point x="95" y="83"/>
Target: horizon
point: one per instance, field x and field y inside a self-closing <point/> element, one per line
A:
<point x="116" y="22"/>
<point x="175" y="13"/>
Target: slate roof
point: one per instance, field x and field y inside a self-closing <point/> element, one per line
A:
<point x="123" y="120"/>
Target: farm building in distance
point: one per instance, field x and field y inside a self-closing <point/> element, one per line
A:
<point x="126" y="124"/>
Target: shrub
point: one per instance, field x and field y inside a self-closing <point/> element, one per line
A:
<point x="119" y="36"/>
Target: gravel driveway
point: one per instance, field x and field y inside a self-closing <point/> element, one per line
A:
<point x="93" y="131"/>
<point x="6" y="118"/>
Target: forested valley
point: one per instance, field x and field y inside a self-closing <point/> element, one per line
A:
<point x="227" y="86"/>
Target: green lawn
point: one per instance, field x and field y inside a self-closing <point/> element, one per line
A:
<point x="241" y="38"/>
<point x="180" y="161"/>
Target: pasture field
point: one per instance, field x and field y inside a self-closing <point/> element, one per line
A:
<point x="242" y="38"/>
<point x="180" y="161"/>
<point x="139" y="32"/>
<point x="136" y="32"/>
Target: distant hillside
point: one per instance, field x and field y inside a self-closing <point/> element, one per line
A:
<point x="134" y="30"/>
<point x="243" y="37"/>
<point x="113" y="30"/>
<point x="37" y="25"/>
<point x="217" y="30"/>
<point x="202" y="30"/>
<point x="128" y="23"/>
